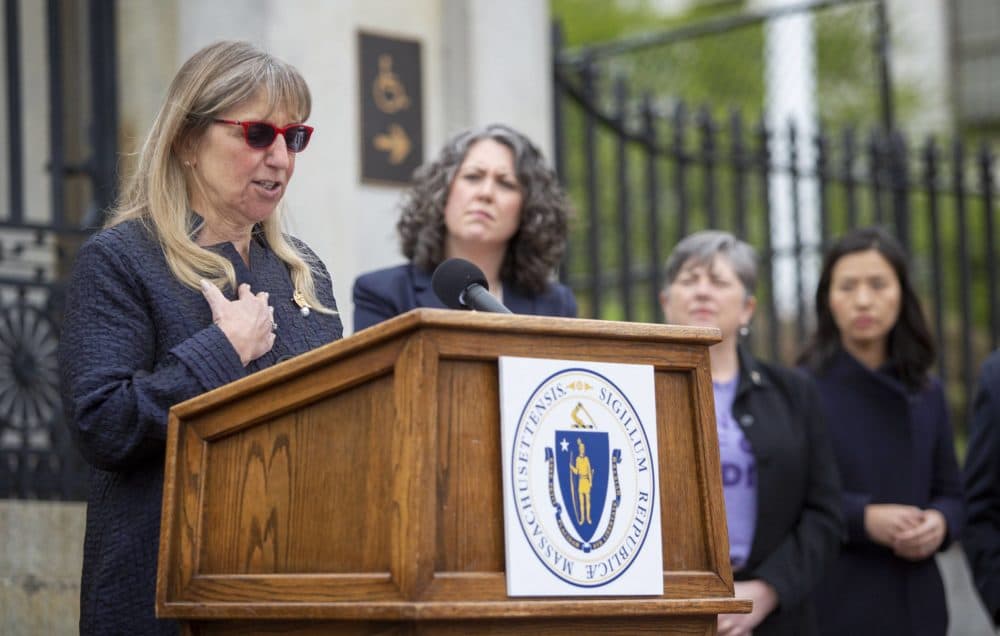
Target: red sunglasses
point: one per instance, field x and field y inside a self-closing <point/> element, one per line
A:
<point x="260" y="134"/>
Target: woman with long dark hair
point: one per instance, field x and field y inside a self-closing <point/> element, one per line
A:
<point x="888" y="420"/>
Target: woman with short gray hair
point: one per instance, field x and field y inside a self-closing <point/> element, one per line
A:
<point x="778" y="473"/>
<point x="489" y="198"/>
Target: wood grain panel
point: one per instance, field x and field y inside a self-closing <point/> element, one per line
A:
<point x="454" y="586"/>
<point x="183" y="495"/>
<point x="709" y="474"/>
<point x="413" y="443"/>
<point x="245" y="403"/>
<point x="455" y="344"/>
<point x="682" y="500"/>
<point x="469" y="474"/>
<point x="293" y="495"/>
<point x="327" y="590"/>
<point x="539" y="609"/>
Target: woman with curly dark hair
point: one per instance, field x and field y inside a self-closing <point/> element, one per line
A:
<point x="491" y="199"/>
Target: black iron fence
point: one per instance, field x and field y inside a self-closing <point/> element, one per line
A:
<point x="45" y="213"/>
<point x="643" y="176"/>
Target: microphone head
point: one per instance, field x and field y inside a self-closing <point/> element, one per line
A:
<point x="452" y="278"/>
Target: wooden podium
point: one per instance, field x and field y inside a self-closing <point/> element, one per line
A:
<point x="357" y="489"/>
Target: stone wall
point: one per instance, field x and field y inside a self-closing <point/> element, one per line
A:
<point x="40" y="567"/>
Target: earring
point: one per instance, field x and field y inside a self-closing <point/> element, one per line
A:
<point x="300" y="299"/>
<point x="744" y="331"/>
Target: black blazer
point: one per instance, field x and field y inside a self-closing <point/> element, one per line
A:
<point x="385" y="293"/>
<point x="981" y="539"/>
<point x="799" y="526"/>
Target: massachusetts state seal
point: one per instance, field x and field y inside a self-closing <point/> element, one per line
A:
<point x="583" y="477"/>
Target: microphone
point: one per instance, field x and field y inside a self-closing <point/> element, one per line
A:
<point x="461" y="285"/>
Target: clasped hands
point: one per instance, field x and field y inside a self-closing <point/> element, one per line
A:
<point x="764" y="598"/>
<point x="911" y="532"/>
<point x="247" y="322"/>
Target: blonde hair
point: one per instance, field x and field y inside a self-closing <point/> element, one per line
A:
<point x="217" y="78"/>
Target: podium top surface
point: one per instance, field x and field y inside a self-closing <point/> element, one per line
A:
<point x="456" y="320"/>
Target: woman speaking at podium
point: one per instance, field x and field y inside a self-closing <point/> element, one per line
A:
<point x="191" y="285"/>
<point x="490" y="199"/>
<point x="778" y="472"/>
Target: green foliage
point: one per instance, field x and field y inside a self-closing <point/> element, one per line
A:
<point x="592" y="21"/>
<point x="726" y="69"/>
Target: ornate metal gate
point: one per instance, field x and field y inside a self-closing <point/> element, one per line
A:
<point x="60" y="176"/>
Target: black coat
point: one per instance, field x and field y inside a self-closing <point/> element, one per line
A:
<point x="981" y="538"/>
<point x="798" y="498"/>
<point x="385" y="293"/>
<point x="893" y="445"/>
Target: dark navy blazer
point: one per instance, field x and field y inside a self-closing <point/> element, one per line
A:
<point x="981" y="538"/>
<point x="385" y="293"/>
<point x="135" y="341"/>
<point x="893" y="445"/>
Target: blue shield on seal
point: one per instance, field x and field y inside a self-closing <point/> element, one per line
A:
<point x="582" y="462"/>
